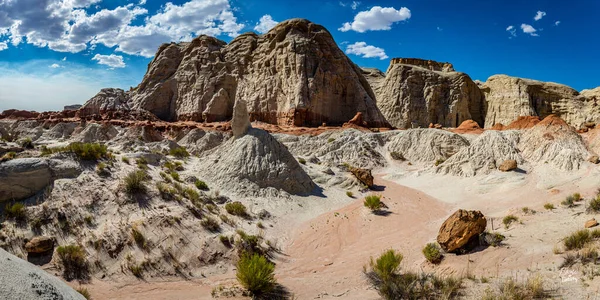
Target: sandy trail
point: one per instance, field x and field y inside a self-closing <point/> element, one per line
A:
<point x="326" y="256"/>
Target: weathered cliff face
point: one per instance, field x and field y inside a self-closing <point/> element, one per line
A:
<point x="293" y="75"/>
<point x="106" y="100"/>
<point x="510" y="97"/>
<point x="375" y="78"/>
<point x="416" y="93"/>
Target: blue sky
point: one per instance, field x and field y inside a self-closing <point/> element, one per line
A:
<point x="60" y="52"/>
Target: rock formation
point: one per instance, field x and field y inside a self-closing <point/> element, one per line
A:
<point x="363" y="175"/>
<point x="510" y="97"/>
<point x="24" y="281"/>
<point x="24" y="177"/>
<point x="460" y="229"/>
<point x="426" y="145"/>
<point x="293" y="75"/>
<point x="418" y="92"/>
<point x="240" y="123"/>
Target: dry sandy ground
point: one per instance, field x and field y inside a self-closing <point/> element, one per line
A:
<point x="324" y="253"/>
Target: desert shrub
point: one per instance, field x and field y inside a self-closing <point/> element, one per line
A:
<point x="569" y="201"/>
<point x="179" y="152"/>
<point x="373" y="202"/>
<point x="139" y="238"/>
<point x="26" y="143"/>
<point x="439" y="161"/>
<point x="330" y="140"/>
<point x="527" y="210"/>
<point x="549" y="206"/>
<point x="256" y="274"/>
<point x="260" y="225"/>
<point x="397" y="156"/>
<point x="302" y="160"/>
<point x="179" y="166"/>
<point x="137" y="270"/>
<point x="87" y="151"/>
<point x="8" y="156"/>
<point x="349" y="194"/>
<point x="16" y="211"/>
<point x="74" y="262"/>
<point x="212" y="208"/>
<point x="135" y="182"/>
<point x="577" y="240"/>
<point x="166" y="192"/>
<point x="532" y="288"/>
<point x="248" y="243"/>
<point x="125" y="159"/>
<point x="191" y="194"/>
<point x="387" y="264"/>
<point x="432" y="253"/>
<point x="594" y="205"/>
<point x="577" y="197"/>
<point x="493" y="239"/>
<point x="175" y="176"/>
<point x="210" y="223"/>
<point x="236" y="208"/>
<point x="84" y="292"/>
<point x="226" y="241"/>
<point x="201" y="185"/>
<point x="509" y="220"/>
<point x="101" y="169"/>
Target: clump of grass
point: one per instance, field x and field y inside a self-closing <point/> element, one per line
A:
<point x="577" y="240"/>
<point x="84" y="292"/>
<point x="260" y="225"/>
<point x="330" y="140"/>
<point x="373" y="202"/>
<point x="577" y="197"/>
<point x="201" y="185"/>
<point x="101" y="169"/>
<point x="165" y="177"/>
<point x="532" y="288"/>
<point x="139" y="238"/>
<point x="175" y="176"/>
<point x="16" y="211"/>
<point x="594" y="205"/>
<point x="302" y="160"/>
<point x="191" y="194"/>
<point x="74" y="262"/>
<point x="210" y="223"/>
<point x="549" y="206"/>
<point x="87" y="151"/>
<point x="349" y="194"/>
<point x="439" y="161"/>
<point x="166" y="192"/>
<point x="569" y="201"/>
<point x="137" y="270"/>
<point x="135" y="182"/>
<point x="227" y="220"/>
<point x="179" y="152"/>
<point x="432" y="253"/>
<point x="125" y="159"/>
<point x="387" y="264"/>
<point x="493" y="239"/>
<point x="8" y="156"/>
<point x="527" y="210"/>
<point x="256" y="274"/>
<point x="397" y="156"/>
<point x="509" y="220"/>
<point x="26" y="143"/>
<point x="226" y="241"/>
<point x="236" y="208"/>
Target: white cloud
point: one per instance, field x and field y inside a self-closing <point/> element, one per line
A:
<point x="113" y="61"/>
<point x="355" y="5"/>
<point x="3" y="46"/>
<point x="64" y="58"/>
<point x="54" y="66"/>
<point x="342" y="4"/>
<point x="366" y="51"/>
<point x="377" y="18"/>
<point x="556" y="23"/>
<point x="512" y="30"/>
<point x="439" y="28"/>
<point x="66" y="25"/>
<point x="539" y="15"/>
<point x="529" y="29"/>
<point x="265" y="24"/>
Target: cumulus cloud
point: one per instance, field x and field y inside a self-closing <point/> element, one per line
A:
<point x="539" y="15"/>
<point x="366" y="51"/>
<point x="354" y="5"/>
<point x="556" y="23"/>
<point x="113" y="61"/>
<point x="3" y="46"/>
<point x="54" y="66"/>
<point x="377" y="18"/>
<point x="512" y="30"/>
<point x="529" y="29"/>
<point x="66" y="25"/>
<point x="265" y="24"/>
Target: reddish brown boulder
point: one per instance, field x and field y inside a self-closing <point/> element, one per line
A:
<point x="363" y="175"/>
<point x="40" y="244"/>
<point x="591" y="223"/>
<point x="357" y="120"/>
<point x="460" y="230"/>
<point x="508" y="165"/>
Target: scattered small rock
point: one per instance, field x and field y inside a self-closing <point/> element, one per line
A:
<point x="591" y="223"/>
<point x="594" y="159"/>
<point x="508" y="165"/>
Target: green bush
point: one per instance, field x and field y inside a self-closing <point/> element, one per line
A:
<point x="210" y="223"/>
<point x="569" y="201"/>
<point x="373" y="202"/>
<point x="387" y="264"/>
<point x="191" y="194"/>
<point x="84" y="292"/>
<point x="509" y="220"/>
<point x="166" y="192"/>
<point x="349" y="194"/>
<point x="236" y="208"/>
<point x="432" y="253"/>
<point x="201" y="185"/>
<point x="26" y="143"/>
<point x="594" y="205"/>
<point x="439" y="161"/>
<point x="302" y="160"/>
<point x="256" y="274"/>
<point x="138" y="237"/>
<point x="577" y="240"/>
<point x="179" y="152"/>
<point x="16" y="211"/>
<point x="135" y="182"/>
<point x="397" y="156"/>
<point x="74" y="262"/>
<point x="125" y="159"/>
<point x="175" y="176"/>
<point x="549" y="206"/>
<point x="88" y="151"/>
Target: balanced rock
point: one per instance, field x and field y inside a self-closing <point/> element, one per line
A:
<point x="240" y="124"/>
<point x="591" y="223"/>
<point x="460" y="230"/>
<point x="508" y="165"/>
<point x="363" y="175"/>
<point x="40" y="244"/>
<point x="418" y="92"/>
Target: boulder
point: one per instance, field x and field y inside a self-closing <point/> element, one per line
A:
<point x="418" y="92"/>
<point x="591" y="223"/>
<point x="594" y="159"/>
<point x="508" y="165"/>
<point x="460" y="230"/>
<point x="24" y="281"/>
<point x="240" y="123"/>
<point x="363" y="175"/>
<point x="24" y="177"/>
<point x="40" y="244"/>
